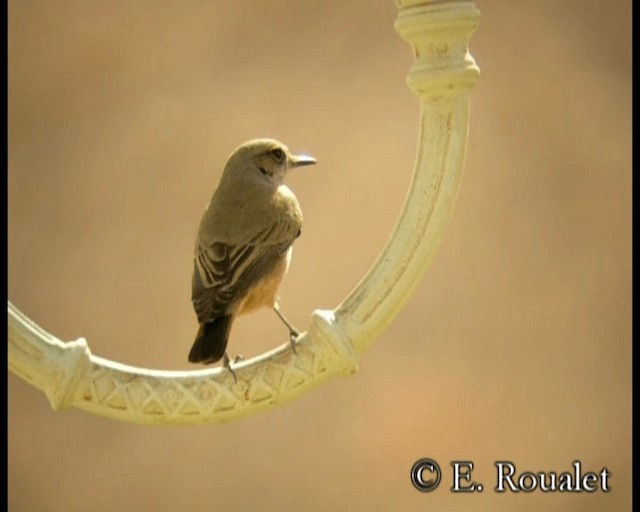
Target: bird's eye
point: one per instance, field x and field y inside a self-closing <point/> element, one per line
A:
<point x="277" y="154"/>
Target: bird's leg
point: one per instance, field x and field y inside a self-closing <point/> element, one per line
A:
<point x="226" y="363"/>
<point x="293" y="332"/>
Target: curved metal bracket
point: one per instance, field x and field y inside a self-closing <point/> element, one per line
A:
<point x="442" y="76"/>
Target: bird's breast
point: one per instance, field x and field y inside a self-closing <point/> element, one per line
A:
<point x="286" y="201"/>
<point x="264" y="292"/>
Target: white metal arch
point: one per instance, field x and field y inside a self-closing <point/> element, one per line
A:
<point x="442" y="76"/>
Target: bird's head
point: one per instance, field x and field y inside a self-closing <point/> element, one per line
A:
<point x="263" y="161"/>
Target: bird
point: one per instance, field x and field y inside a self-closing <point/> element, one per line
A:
<point x="244" y="244"/>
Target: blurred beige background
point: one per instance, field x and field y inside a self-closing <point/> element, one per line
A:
<point x="516" y="344"/>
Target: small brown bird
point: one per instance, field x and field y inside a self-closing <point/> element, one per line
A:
<point x="244" y="243"/>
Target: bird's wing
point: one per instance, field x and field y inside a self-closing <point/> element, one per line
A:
<point x="223" y="273"/>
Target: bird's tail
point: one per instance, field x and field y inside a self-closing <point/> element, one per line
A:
<point x="211" y="341"/>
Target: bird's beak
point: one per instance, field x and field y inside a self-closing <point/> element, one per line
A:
<point x="300" y="160"/>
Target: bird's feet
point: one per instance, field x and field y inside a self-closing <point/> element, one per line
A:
<point x="294" y="334"/>
<point x="293" y="339"/>
<point x="226" y="363"/>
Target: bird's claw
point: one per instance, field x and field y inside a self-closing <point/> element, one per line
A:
<point x="293" y="339"/>
<point x="226" y="363"/>
<point x="294" y="334"/>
